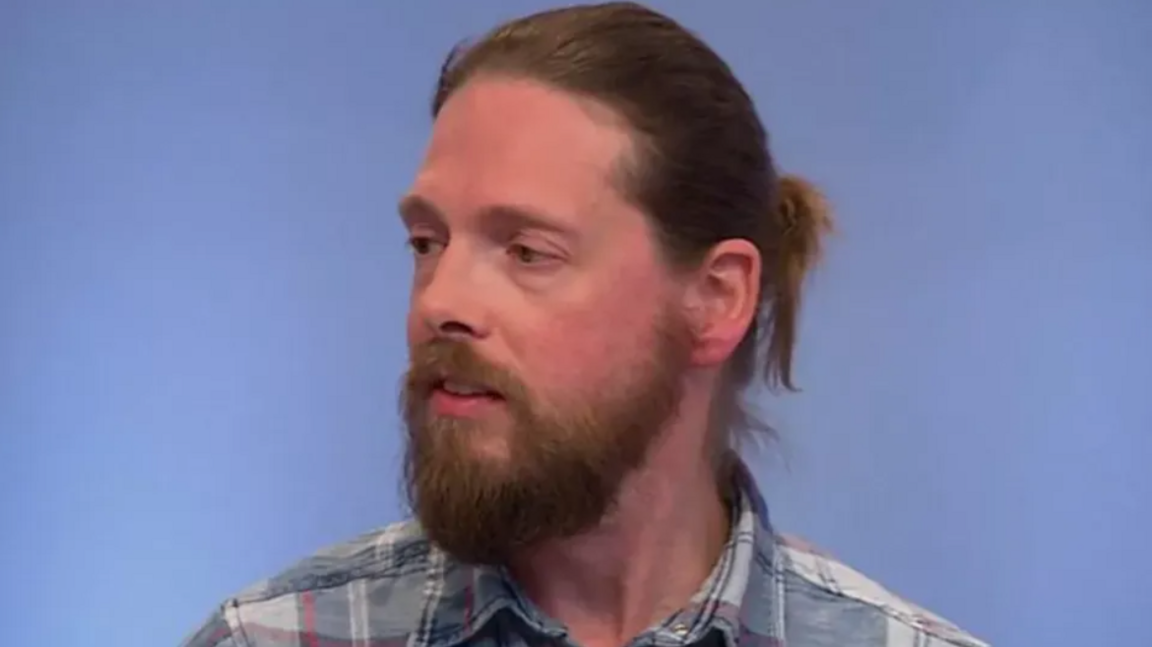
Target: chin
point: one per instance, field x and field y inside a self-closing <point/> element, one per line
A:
<point x="491" y="448"/>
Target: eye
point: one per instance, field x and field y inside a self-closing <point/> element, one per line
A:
<point x="525" y="255"/>
<point x="423" y="245"/>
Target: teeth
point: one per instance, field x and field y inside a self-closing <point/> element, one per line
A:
<point x="460" y="388"/>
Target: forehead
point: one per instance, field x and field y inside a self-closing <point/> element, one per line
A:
<point x="515" y="142"/>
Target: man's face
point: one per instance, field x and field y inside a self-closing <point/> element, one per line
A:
<point x="546" y="351"/>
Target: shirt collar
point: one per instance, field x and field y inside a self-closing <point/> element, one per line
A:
<point x="461" y="599"/>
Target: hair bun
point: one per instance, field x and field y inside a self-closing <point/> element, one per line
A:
<point x="804" y="217"/>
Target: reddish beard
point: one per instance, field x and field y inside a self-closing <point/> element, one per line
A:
<point x="565" y="464"/>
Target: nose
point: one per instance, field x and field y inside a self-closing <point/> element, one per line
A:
<point x="448" y="302"/>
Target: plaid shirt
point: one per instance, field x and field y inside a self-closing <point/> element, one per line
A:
<point x="392" y="588"/>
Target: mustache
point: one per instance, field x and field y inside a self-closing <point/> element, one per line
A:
<point x="440" y="359"/>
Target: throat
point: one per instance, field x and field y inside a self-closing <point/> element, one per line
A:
<point x="613" y="583"/>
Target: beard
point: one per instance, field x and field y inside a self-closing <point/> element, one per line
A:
<point x="565" y="462"/>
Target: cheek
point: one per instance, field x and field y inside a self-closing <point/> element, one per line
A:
<point x="416" y="331"/>
<point x="585" y="347"/>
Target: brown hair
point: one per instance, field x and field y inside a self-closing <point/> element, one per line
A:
<point x="702" y="169"/>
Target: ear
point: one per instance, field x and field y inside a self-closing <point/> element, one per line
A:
<point x="722" y="300"/>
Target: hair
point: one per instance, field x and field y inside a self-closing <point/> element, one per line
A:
<point x="702" y="170"/>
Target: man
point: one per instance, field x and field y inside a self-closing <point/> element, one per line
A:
<point x="602" y="245"/>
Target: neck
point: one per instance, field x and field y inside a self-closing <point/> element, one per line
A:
<point x="610" y="584"/>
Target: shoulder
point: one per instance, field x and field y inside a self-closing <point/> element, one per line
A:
<point x="825" y="597"/>
<point x="391" y="554"/>
<point x="391" y="565"/>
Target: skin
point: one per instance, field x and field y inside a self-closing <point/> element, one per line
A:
<point x="526" y="249"/>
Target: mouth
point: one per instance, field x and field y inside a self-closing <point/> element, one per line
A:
<point x="458" y="398"/>
<point x="463" y="389"/>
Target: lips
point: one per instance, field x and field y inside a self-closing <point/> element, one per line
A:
<point x="455" y="398"/>
<point x="465" y="389"/>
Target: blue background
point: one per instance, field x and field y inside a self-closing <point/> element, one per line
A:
<point x="202" y="285"/>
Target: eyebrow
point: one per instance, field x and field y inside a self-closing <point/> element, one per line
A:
<point x="416" y="208"/>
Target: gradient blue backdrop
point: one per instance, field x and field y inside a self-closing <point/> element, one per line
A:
<point x="202" y="286"/>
